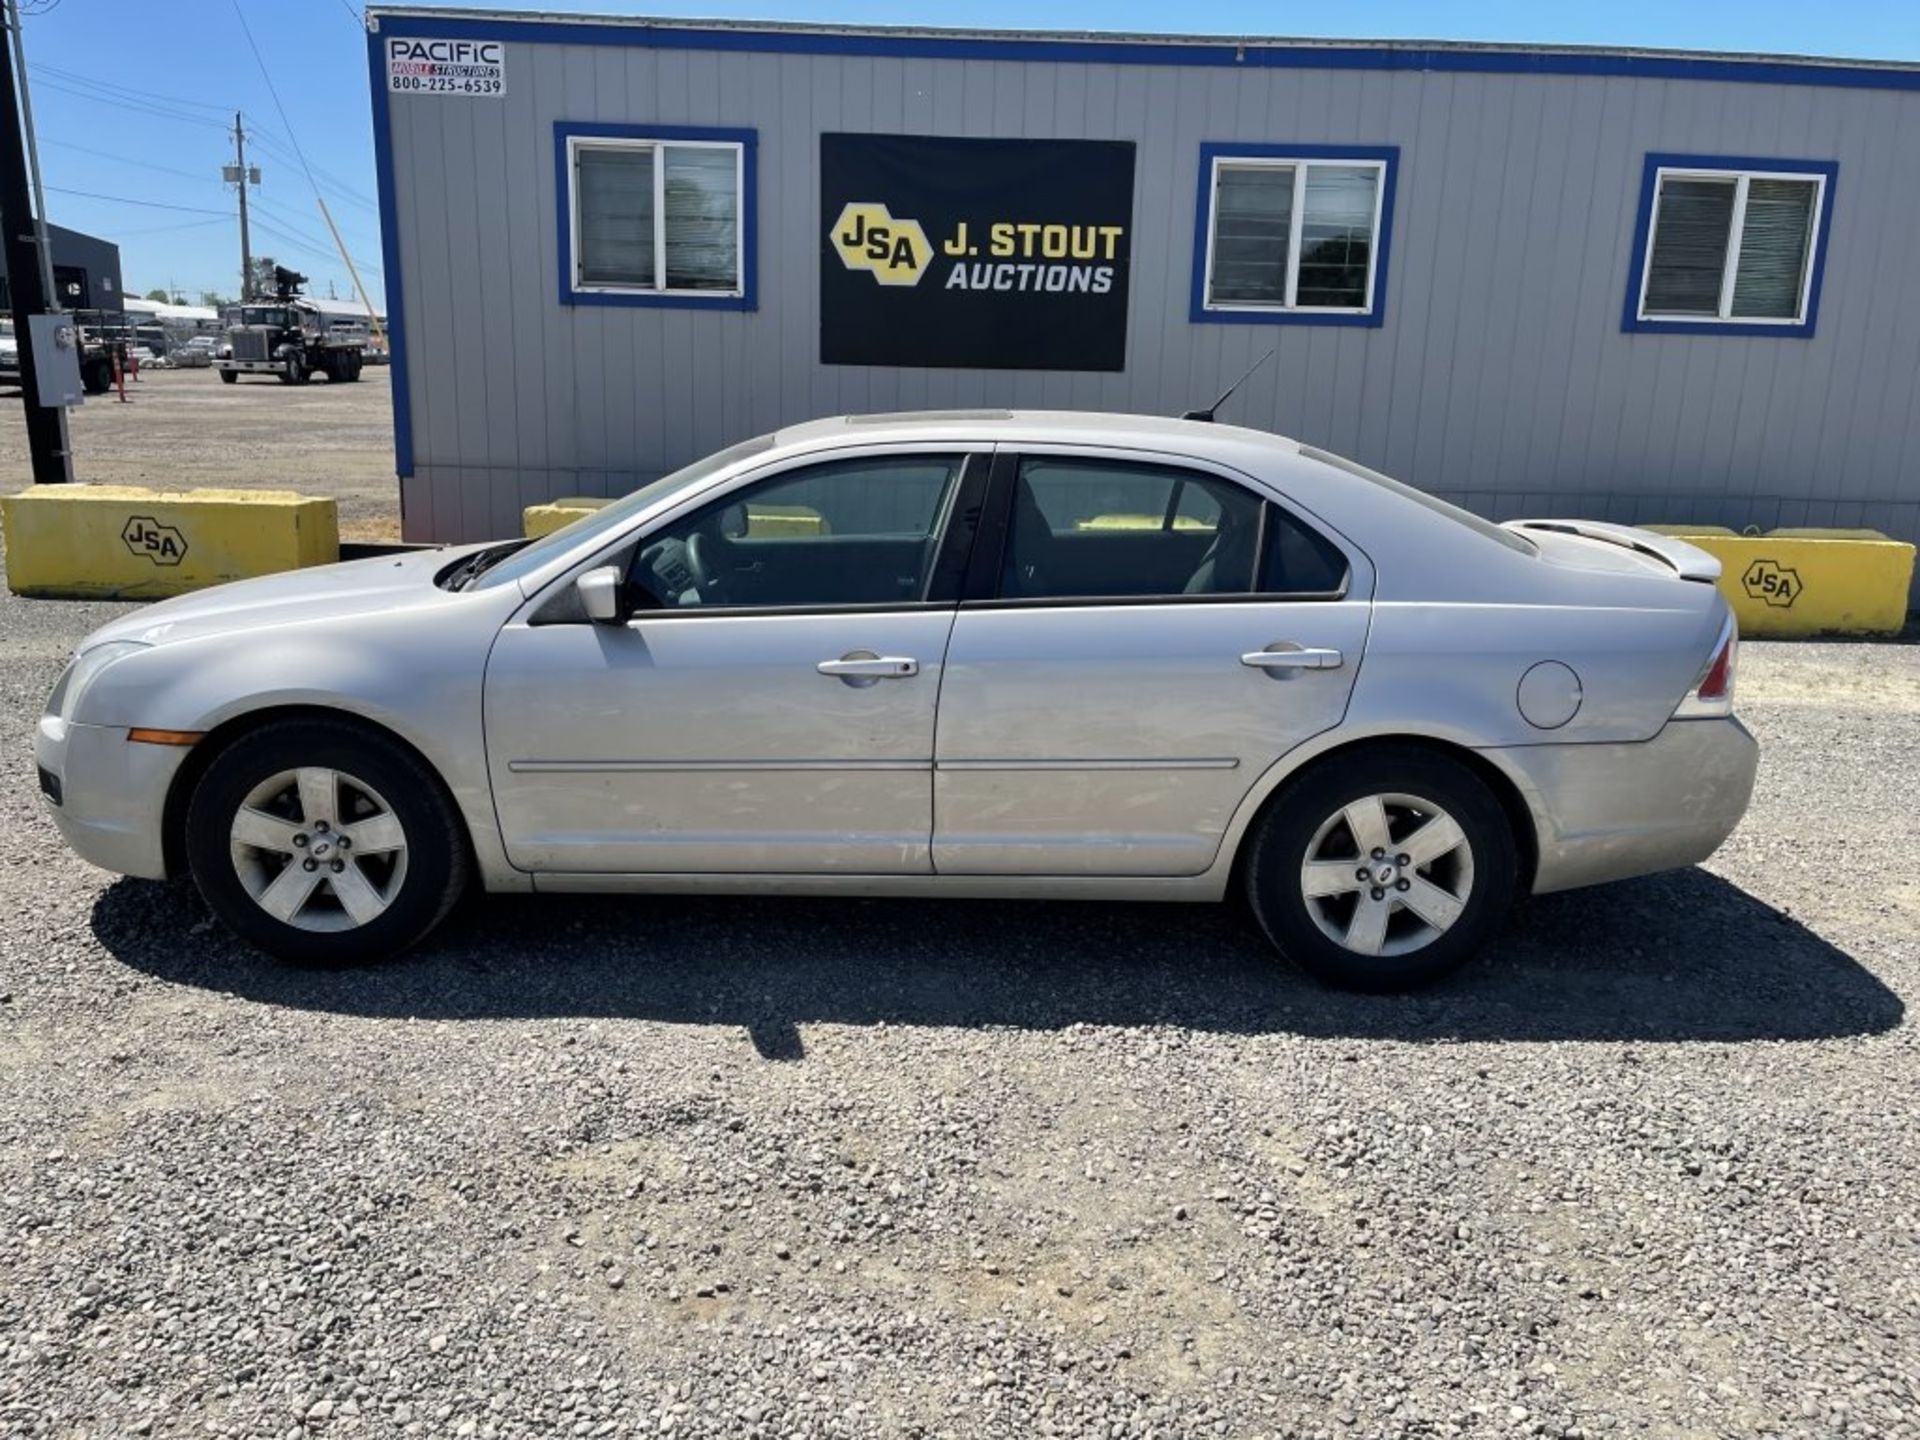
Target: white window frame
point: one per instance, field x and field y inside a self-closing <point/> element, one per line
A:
<point x="577" y="143"/>
<point x="1297" y="222"/>
<point x="1736" y="233"/>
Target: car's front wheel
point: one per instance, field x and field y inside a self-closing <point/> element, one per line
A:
<point x="324" y="843"/>
<point x="1383" y="870"/>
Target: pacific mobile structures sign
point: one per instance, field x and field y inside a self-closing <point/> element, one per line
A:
<point x="990" y="254"/>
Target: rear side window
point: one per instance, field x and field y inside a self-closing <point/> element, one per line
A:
<point x="1300" y="560"/>
<point x="1098" y="529"/>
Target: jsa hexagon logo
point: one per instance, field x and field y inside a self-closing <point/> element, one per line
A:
<point x="894" y="252"/>
<point x="1779" y="585"/>
<point x="162" y="544"/>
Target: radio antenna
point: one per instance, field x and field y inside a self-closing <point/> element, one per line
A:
<point x="1227" y="394"/>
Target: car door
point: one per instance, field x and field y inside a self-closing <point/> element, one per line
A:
<point x="1144" y="636"/>
<point x="769" y="705"/>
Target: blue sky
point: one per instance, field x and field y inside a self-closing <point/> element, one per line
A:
<point x="134" y="98"/>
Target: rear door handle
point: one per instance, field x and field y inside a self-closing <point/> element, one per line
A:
<point x="865" y="665"/>
<point x="1293" y="659"/>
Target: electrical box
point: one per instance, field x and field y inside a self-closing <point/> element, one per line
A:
<point x="56" y="359"/>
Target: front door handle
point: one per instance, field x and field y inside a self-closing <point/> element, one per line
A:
<point x="859" y="667"/>
<point x="1293" y="658"/>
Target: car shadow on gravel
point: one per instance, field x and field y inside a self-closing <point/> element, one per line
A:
<point x="1682" y="956"/>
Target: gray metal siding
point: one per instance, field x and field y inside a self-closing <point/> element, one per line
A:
<point x="1500" y="378"/>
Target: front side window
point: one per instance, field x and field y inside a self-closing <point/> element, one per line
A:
<point x="1112" y="529"/>
<point x="847" y="532"/>
<point x="1297" y="235"/>
<point x="1720" y="247"/>
<point x="656" y="219"/>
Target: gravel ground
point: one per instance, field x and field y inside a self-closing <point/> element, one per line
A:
<point x="183" y="427"/>
<point x="901" y="1168"/>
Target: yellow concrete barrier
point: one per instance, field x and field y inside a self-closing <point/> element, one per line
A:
<point x="126" y="542"/>
<point x="538" y="520"/>
<point x="1809" y="582"/>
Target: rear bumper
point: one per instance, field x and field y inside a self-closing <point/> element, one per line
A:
<point x="1608" y="812"/>
<point x="112" y="793"/>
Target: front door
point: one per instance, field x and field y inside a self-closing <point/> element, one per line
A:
<point x="769" y="707"/>
<point x="1108" y="709"/>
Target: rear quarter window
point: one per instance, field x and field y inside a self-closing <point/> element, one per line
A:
<point x="1478" y="524"/>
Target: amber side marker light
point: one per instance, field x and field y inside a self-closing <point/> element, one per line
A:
<point x="165" y="737"/>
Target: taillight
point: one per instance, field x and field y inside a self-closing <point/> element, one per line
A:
<point x="1712" y="694"/>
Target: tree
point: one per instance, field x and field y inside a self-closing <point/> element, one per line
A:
<point x="161" y="296"/>
<point x="214" y="300"/>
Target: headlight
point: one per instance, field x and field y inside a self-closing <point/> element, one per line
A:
<point x="86" y="666"/>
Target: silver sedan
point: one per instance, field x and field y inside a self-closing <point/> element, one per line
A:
<point x="984" y="653"/>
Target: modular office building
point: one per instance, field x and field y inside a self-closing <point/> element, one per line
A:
<point x="1624" y="285"/>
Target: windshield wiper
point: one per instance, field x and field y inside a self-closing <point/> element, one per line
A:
<point x="478" y="563"/>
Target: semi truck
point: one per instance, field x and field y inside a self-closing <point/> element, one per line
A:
<point x="291" y="338"/>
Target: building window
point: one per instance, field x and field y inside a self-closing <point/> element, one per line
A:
<point x="1725" y="245"/>
<point x="1293" y="234"/>
<point x="656" y="216"/>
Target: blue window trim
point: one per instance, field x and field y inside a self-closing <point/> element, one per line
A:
<point x="748" y="141"/>
<point x="1373" y="317"/>
<point x="1631" y="319"/>
<point x="390" y="260"/>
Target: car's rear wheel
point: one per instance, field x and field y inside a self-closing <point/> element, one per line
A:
<point x="1384" y="870"/>
<point x="325" y="844"/>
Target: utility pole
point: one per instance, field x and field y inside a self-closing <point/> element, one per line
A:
<point x="237" y="174"/>
<point x="28" y="263"/>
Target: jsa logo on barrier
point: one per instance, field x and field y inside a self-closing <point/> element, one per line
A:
<point x="162" y="544"/>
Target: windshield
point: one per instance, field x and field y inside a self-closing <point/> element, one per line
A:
<point x="608" y="519"/>
<point x="1473" y="522"/>
<point x="256" y="315"/>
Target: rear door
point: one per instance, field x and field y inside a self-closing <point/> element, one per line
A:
<point x="1144" y="636"/>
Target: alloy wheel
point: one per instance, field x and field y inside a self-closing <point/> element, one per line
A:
<point x="319" y="849"/>
<point x="1386" y="875"/>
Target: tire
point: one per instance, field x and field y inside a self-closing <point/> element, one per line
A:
<point x="1405" y="925"/>
<point x="350" y="367"/>
<point x="294" y="371"/>
<point x="229" y="377"/>
<point x="411" y="864"/>
<point x="97" y="377"/>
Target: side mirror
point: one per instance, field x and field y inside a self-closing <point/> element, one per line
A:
<point x="602" y="595"/>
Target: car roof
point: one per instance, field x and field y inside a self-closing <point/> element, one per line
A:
<point x="1059" y="427"/>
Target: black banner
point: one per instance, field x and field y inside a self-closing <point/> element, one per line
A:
<point x="988" y="254"/>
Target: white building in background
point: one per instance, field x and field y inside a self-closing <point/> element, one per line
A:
<point x="181" y="322"/>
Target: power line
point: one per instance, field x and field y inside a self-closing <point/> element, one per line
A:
<point x="129" y="200"/>
<point x="339" y="188"/>
<point x="130" y="160"/>
<point x="140" y="107"/>
<point x="312" y="247"/>
<point x="77" y="77"/>
<point x="163" y="229"/>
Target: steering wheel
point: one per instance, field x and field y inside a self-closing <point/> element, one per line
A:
<point x="697" y="566"/>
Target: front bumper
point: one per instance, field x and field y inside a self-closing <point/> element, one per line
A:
<point x="113" y="793"/>
<point x="1608" y="812"/>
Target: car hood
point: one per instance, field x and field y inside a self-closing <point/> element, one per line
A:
<point x="383" y="585"/>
